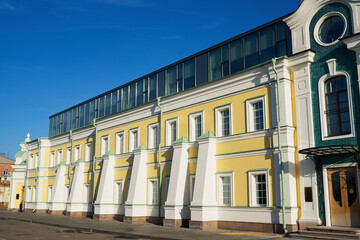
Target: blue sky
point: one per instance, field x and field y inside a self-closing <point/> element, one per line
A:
<point x="57" y="53"/>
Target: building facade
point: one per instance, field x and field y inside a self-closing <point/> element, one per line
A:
<point x="213" y="140"/>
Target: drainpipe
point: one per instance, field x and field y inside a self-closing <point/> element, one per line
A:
<point x="159" y="153"/>
<point x="26" y="175"/>
<point x="279" y="145"/>
<point x="11" y="187"/>
<point x="71" y="157"/>
<point x="93" y="165"/>
<point x="37" y="175"/>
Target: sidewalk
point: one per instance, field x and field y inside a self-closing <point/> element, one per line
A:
<point x="149" y="231"/>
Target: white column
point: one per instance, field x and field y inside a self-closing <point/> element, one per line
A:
<point x="105" y="196"/>
<point x="203" y="206"/>
<point x="58" y="202"/>
<point x="75" y="203"/>
<point x="136" y="200"/>
<point x="175" y="209"/>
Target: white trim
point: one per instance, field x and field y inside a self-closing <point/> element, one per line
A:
<point x="192" y="178"/>
<point x="218" y="124"/>
<point x="250" y="126"/>
<point x="151" y="131"/>
<point x="77" y="152"/>
<point x="105" y="143"/>
<point x="86" y="193"/>
<point x="192" y="117"/>
<point x="52" y="159"/>
<point x="321" y="21"/>
<point x="49" y="193"/>
<point x="322" y="103"/>
<point x="167" y="181"/>
<point x="88" y="152"/>
<point x="252" y="187"/>
<point x="117" y="142"/>
<point x="168" y="123"/>
<point x="131" y="138"/>
<point x="150" y="191"/>
<point x="117" y="193"/>
<point x="59" y="156"/>
<point x="68" y="155"/>
<point x="326" y="186"/>
<point x="219" y="177"/>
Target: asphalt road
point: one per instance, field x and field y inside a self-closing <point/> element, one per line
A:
<point x="19" y="230"/>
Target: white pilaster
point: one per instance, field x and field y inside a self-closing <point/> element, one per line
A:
<point x="177" y="191"/>
<point x="76" y="201"/>
<point x="58" y="202"/>
<point x="136" y="201"/>
<point x="353" y="43"/>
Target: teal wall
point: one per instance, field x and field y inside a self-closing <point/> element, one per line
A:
<point x="346" y="61"/>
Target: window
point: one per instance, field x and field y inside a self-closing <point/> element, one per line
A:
<point x="330" y="28"/>
<point x="153" y="191"/>
<point x="133" y="139"/>
<point x="6" y="171"/>
<point x="50" y="188"/>
<point x="192" y="187"/>
<point x="225" y="196"/>
<point x="171" y="131"/>
<point x="171" y="80"/>
<point x="31" y="161"/>
<point x="255" y="114"/>
<point x="223" y="122"/>
<point x="189" y="74"/>
<point x="17" y="196"/>
<point x="59" y="157"/>
<point x="52" y="159"/>
<point x="118" y="192"/>
<point x="77" y="153"/>
<point x="86" y="194"/>
<point x="196" y="125"/>
<point x="153" y="135"/>
<point x="215" y="64"/>
<point x="259" y="188"/>
<point x="337" y="106"/>
<point x="119" y="143"/>
<point x="179" y="78"/>
<point x="88" y="151"/>
<point x="104" y="145"/>
<point x="68" y="155"/>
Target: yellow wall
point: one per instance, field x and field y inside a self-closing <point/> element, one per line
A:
<point x="18" y="190"/>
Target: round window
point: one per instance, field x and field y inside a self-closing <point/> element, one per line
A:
<point x="332" y="29"/>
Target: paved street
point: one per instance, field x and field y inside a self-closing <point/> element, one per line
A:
<point x="15" y="230"/>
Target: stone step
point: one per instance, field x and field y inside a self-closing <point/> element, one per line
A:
<point x="345" y="230"/>
<point x="327" y="235"/>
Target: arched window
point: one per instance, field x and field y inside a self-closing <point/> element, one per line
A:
<point x="337" y="106"/>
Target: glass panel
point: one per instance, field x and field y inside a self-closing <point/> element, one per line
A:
<point x="179" y="78"/>
<point x="251" y="48"/>
<point x="189" y="74"/>
<point x="125" y="98"/>
<point x="258" y="115"/>
<point x="139" y="92"/>
<point x="101" y="103"/>
<point x="81" y="115"/>
<point x="351" y="187"/>
<point x="87" y="114"/>
<point x="173" y="131"/>
<point x="146" y="92"/>
<point x="280" y="31"/>
<point x="202" y="69"/>
<point x="215" y="64"/>
<point x="198" y="124"/>
<point x="267" y="44"/>
<point x="132" y="95"/>
<point x="226" y="190"/>
<point x="171" y="80"/>
<point x="225" y="122"/>
<point x="161" y="84"/>
<point x="152" y="93"/>
<point x="92" y="111"/>
<point x="331" y="29"/>
<point x="74" y="118"/>
<point x="225" y="60"/>
<point x="114" y="102"/>
<point x="107" y="104"/>
<point x="236" y="56"/>
<point x="336" y="188"/>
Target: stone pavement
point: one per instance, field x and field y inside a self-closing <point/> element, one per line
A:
<point x="149" y="231"/>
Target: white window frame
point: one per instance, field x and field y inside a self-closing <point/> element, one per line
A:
<point x="250" y="124"/>
<point x="218" y="122"/>
<point x="31" y="161"/>
<point x="168" y="123"/>
<point x="36" y="160"/>
<point x="151" y="133"/>
<point x="321" y="21"/>
<point x="77" y="152"/>
<point x="52" y="159"/>
<point x="59" y="156"/>
<point x="192" y="125"/>
<point x="105" y="143"/>
<point x="219" y="177"/>
<point x="252" y="188"/>
<point x="150" y="191"/>
<point x="118" y="196"/>
<point x="68" y="155"/>
<point x="118" y="147"/>
<point x="192" y="186"/>
<point x="88" y="152"/>
<point x="322" y="101"/>
<point x="131" y="138"/>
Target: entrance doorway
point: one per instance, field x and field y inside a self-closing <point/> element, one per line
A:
<point x="344" y="197"/>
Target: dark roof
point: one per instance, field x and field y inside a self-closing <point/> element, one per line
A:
<point x="331" y="150"/>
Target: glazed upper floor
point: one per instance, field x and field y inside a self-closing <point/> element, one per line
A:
<point x="215" y="63"/>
